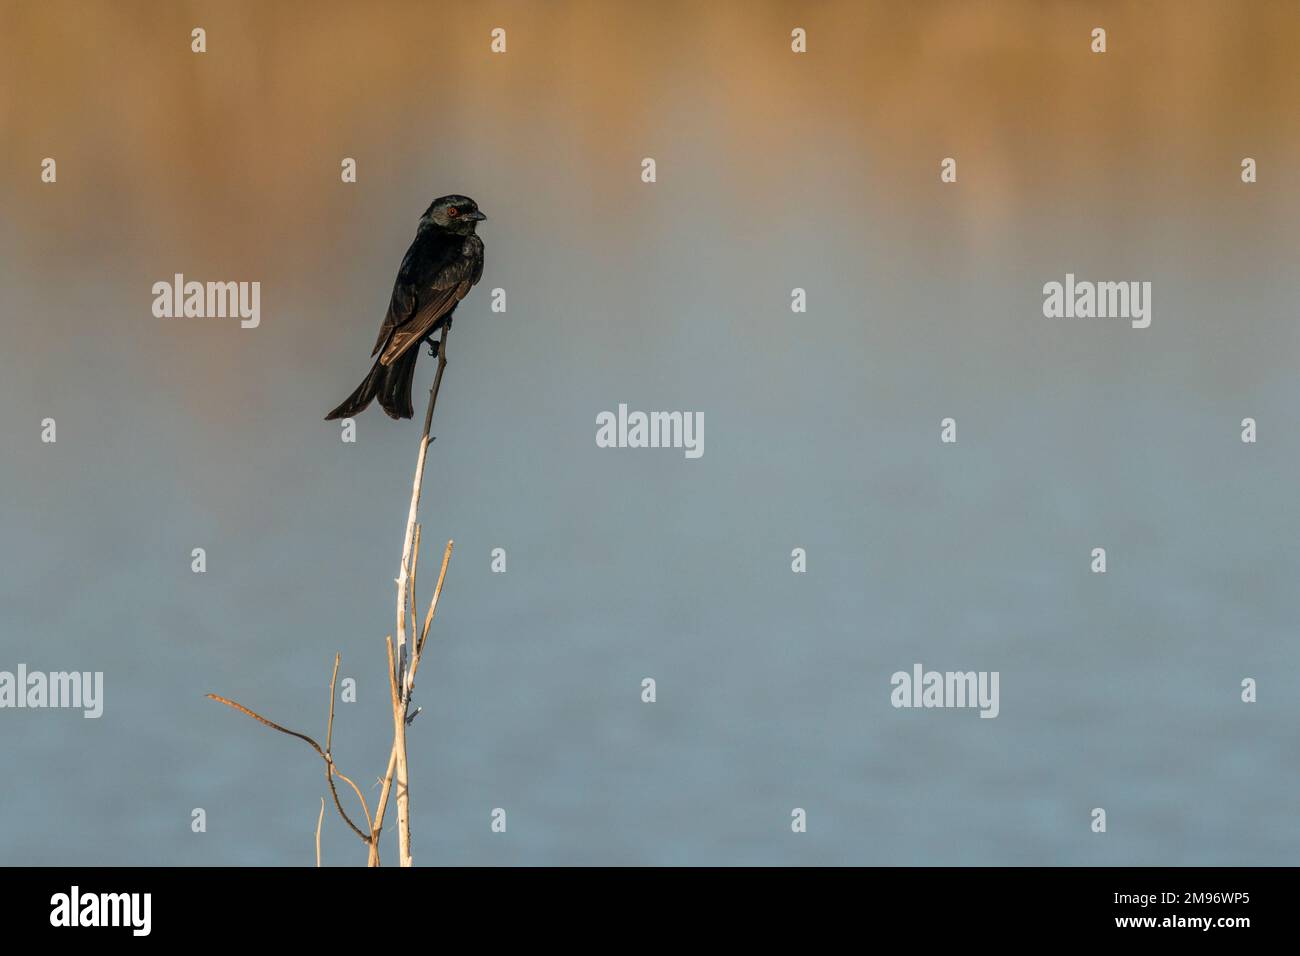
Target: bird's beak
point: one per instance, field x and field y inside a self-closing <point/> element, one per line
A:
<point x="477" y="216"/>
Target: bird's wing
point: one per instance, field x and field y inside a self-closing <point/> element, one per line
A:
<point x="403" y="303"/>
<point x="413" y="313"/>
<point x="432" y="308"/>
<point x="400" y="309"/>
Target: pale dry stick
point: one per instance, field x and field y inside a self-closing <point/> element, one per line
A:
<point x="399" y="699"/>
<point x="401" y="768"/>
<point x="428" y="619"/>
<point x="408" y="539"/>
<point x="329" y="726"/>
<point x="382" y="807"/>
<point x="398" y="766"/>
<point x="319" y="820"/>
<point x="412" y="592"/>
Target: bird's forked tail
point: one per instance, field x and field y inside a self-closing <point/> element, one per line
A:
<point x="391" y="384"/>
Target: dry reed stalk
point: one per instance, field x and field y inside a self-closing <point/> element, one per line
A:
<point x="402" y="666"/>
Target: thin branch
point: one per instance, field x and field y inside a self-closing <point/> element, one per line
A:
<point x="355" y="789"/>
<point x="382" y="806"/>
<point x="319" y="820"/>
<point x="428" y="621"/>
<point x="270" y="723"/>
<point x="329" y="752"/>
<point x="329" y="763"/>
<point x="408" y="539"/>
<point x="437" y="378"/>
<point x="401" y="777"/>
<point x="437" y="593"/>
<point x="411" y="592"/>
<point x="329" y="729"/>
<point x="399" y="746"/>
<point x="392" y="674"/>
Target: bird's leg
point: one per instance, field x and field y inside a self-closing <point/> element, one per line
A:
<point x="433" y="343"/>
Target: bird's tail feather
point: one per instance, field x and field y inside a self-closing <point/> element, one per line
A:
<point x="356" y="403"/>
<point x="395" y="393"/>
<point x="391" y="384"/>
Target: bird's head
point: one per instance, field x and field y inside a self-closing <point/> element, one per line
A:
<point x="456" y="214"/>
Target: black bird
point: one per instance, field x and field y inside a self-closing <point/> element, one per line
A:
<point x="443" y="263"/>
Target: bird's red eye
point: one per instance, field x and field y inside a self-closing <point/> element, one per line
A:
<point x="453" y="212"/>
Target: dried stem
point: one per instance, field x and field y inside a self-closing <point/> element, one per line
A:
<point x="401" y="778"/>
<point x="405" y="601"/>
<point x="395" y="703"/>
<point x="408" y="539"/>
<point x="329" y="728"/>
<point x="428" y="619"/>
<point x="319" y="820"/>
<point x="330" y="769"/>
<point x="403" y="662"/>
<point x="415" y="562"/>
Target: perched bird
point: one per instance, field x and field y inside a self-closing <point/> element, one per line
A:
<point x="443" y="263"/>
